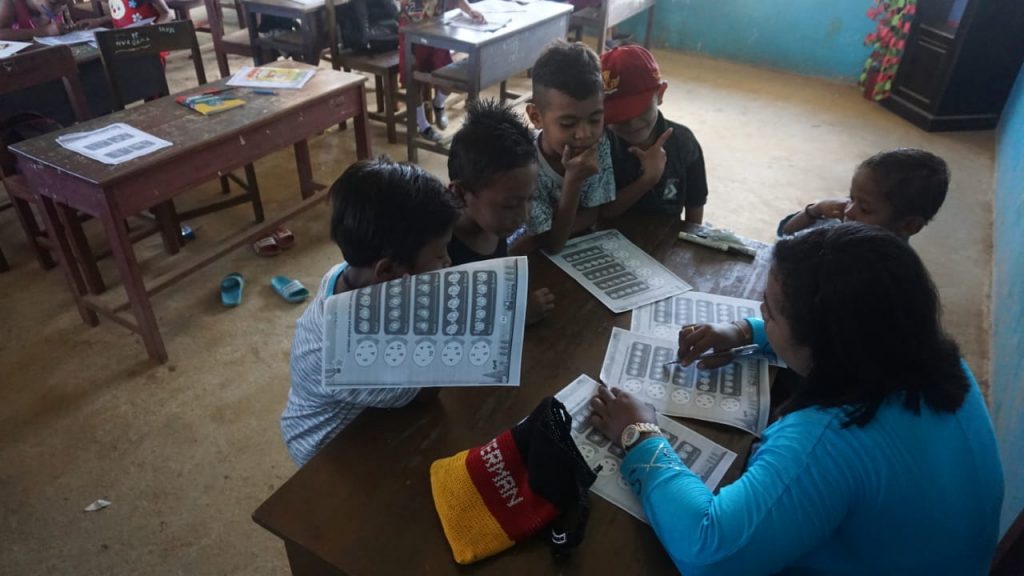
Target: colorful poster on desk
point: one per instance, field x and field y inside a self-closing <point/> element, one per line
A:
<point x="616" y="271"/>
<point x="703" y="457"/>
<point x="270" y="77"/>
<point x="736" y="394"/>
<point x="460" y="326"/>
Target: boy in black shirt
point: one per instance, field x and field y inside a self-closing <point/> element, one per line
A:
<point x="659" y="165"/>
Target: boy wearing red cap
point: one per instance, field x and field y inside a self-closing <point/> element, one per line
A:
<point x="659" y="165"/>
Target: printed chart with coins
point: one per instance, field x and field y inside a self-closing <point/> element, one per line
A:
<point x="616" y="271"/>
<point x="736" y="394"/>
<point x="664" y="318"/>
<point x="459" y="326"/>
<point x="705" y="458"/>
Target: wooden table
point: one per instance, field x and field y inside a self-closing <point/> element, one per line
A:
<point x="363" y="504"/>
<point x="493" y="57"/>
<point x="308" y="42"/>
<point x="611" y="13"/>
<point x="203" y="148"/>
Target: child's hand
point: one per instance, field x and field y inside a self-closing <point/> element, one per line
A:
<point x="476" y="16"/>
<point x="696" y="339"/>
<point x="652" y="160"/>
<point x="831" y="208"/>
<point x="55" y="28"/>
<point x="540" y="303"/>
<point x="582" y="166"/>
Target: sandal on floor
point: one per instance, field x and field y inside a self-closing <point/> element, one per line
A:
<point x="291" y="290"/>
<point x="440" y="117"/>
<point x="284" y="238"/>
<point x="266" y="246"/>
<point x="231" y="289"/>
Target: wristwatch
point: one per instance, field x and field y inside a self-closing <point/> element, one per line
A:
<point x="631" y="434"/>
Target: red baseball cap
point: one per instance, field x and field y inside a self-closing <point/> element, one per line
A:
<point x="631" y="78"/>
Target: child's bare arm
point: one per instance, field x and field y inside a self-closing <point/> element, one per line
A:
<point x="652" y="166"/>
<point x="163" y="11"/>
<point x="694" y="214"/>
<point x="577" y="170"/>
<point x="832" y="208"/>
<point x="475" y="15"/>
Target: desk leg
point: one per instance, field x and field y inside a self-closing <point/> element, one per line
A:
<point x="363" y="147"/>
<point x="650" y="27"/>
<point x="131" y="279"/>
<point x="310" y="46"/>
<point x="602" y="34"/>
<point x="412" y="102"/>
<point x="254" y="35"/>
<point x="83" y="252"/>
<point x="304" y="168"/>
<point x="305" y="563"/>
<point x="65" y="258"/>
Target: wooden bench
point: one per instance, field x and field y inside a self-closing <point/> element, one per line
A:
<point x="384" y="68"/>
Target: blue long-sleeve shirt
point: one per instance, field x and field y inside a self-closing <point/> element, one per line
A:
<point x="907" y="494"/>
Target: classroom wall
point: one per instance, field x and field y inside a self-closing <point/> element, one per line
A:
<point x="1007" y="377"/>
<point x="807" y="37"/>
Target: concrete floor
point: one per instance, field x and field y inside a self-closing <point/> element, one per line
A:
<point x="187" y="450"/>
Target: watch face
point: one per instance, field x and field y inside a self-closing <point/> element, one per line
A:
<point x="630" y="435"/>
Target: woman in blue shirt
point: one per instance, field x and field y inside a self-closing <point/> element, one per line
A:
<point x="884" y="460"/>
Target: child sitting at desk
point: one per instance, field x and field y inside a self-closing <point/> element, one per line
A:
<point x="428" y="58"/>
<point x="23" y="20"/>
<point x="492" y="168"/>
<point x="900" y="190"/>
<point x="389" y="220"/>
<point x="575" y="173"/>
<point x="659" y="165"/>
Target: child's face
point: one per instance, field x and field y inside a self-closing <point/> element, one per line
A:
<point x="433" y="255"/>
<point x="778" y="331"/>
<point x="638" y="131"/>
<point x="868" y="204"/>
<point x="503" y="205"/>
<point x="566" y="121"/>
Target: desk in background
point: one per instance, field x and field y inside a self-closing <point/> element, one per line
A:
<point x="203" y="148"/>
<point x="363" y="504"/>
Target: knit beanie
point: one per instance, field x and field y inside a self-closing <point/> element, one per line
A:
<point x="524" y="480"/>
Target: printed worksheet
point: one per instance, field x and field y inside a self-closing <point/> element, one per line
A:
<point x="494" y="21"/>
<point x="270" y="77"/>
<point x="460" y="326"/>
<point x="616" y="271"/>
<point x="113" y="144"/>
<point x="76" y="37"/>
<point x="736" y="394"/>
<point x="703" y="457"/>
<point x="10" y="47"/>
<point x="664" y="318"/>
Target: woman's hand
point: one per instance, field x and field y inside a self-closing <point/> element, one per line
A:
<point x="614" y="409"/>
<point x="696" y="339"/>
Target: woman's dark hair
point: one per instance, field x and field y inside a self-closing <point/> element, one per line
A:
<point x="860" y="298"/>
<point x="913" y="181"/>
<point x="385" y="209"/>
<point x="493" y="139"/>
<point x="569" y="67"/>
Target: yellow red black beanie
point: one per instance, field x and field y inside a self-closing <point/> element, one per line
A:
<point x="492" y="496"/>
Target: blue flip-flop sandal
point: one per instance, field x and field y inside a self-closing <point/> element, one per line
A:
<point x="231" y="289"/>
<point x="291" y="290"/>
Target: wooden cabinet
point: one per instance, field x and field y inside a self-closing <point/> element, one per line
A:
<point x="961" y="59"/>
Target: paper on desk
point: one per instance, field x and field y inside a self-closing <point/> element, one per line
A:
<point x="663" y="318"/>
<point x="736" y="394"/>
<point x="616" y="271"/>
<point x="705" y="458"/>
<point x="9" y="47"/>
<point x="497" y="7"/>
<point x="270" y="77"/>
<point x="494" y="22"/>
<point x="460" y="326"/>
<point x="113" y="144"/>
<point x="76" y="37"/>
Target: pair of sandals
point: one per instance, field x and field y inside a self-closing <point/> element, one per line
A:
<point x="276" y="242"/>
<point x="233" y="284"/>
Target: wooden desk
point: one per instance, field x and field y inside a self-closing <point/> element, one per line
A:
<point x="363" y="504"/>
<point x="493" y="56"/>
<point x="611" y="13"/>
<point x="203" y="147"/>
<point x="308" y="42"/>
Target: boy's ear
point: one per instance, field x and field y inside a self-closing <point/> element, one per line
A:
<point x="459" y="191"/>
<point x="661" y="92"/>
<point x="910" y="225"/>
<point x="387" y="269"/>
<point x="533" y="113"/>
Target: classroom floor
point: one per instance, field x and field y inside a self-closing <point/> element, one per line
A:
<point x="187" y="450"/>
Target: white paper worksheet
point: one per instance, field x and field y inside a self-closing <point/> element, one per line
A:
<point x="76" y="37"/>
<point x="736" y="394"/>
<point x="460" y="326"/>
<point x="113" y="144"/>
<point x="616" y="271"/>
<point x="703" y="457"/>
<point x="10" y="47"/>
<point x="664" y="318"/>
<point x="495" y="21"/>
